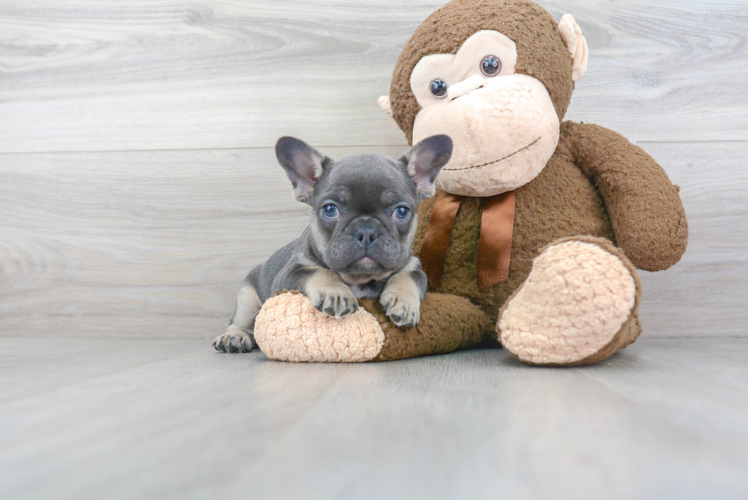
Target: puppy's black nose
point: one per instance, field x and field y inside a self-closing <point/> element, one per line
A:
<point x="366" y="236"/>
<point x="365" y="230"/>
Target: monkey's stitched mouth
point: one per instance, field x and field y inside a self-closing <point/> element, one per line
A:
<point x="491" y="163"/>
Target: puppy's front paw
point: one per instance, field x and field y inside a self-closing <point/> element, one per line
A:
<point x="336" y="301"/>
<point x="403" y="308"/>
<point x="234" y="340"/>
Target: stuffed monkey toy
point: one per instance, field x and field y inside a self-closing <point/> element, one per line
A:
<point x="538" y="225"/>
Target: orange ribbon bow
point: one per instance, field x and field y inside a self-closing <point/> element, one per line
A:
<point x="494" y="247"/>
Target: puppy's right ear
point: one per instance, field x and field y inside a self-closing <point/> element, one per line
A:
<point x="303" y="165"/>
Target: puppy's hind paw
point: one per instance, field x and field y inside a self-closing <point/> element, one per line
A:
<point x="234" y="340"/>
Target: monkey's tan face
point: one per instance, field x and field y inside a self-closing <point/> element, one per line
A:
<point x="503" y="125"/>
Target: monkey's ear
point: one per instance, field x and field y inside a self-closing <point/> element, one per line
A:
<point x="303" y="165"/>
<point x="425" y="160"/>
<point x="576" y="44"/>
<point x="384" y="103"/>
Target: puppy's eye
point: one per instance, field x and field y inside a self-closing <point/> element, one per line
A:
<point x="438" y="88"/>
<point x="490" y="65"/>
<point x="401" y="214"/>
<point x="330" y="211"/>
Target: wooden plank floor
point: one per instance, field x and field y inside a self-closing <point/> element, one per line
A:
<point x="160" y="418"/>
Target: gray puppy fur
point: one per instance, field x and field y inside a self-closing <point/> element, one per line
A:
<point x="358" y="243"/>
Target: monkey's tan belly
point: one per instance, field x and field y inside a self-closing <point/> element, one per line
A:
<point x="560" y="202"/>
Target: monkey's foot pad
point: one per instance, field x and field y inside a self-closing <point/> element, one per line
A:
<point x="290" y="328"/>
<point x="577" y="306"/>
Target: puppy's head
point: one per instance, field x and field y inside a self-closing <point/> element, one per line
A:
<point x="364" y="205"/>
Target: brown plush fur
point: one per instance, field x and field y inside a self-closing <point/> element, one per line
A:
<point x="645" y="209"/>
<point x="596" y="184"/>
<point x="546" y="211"/>
<point x="448" y="323"/>
<point x="649" y="222"/>
<point x="541" y="52"/>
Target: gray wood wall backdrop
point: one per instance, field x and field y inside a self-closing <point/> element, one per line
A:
<point x="138" y="183"/>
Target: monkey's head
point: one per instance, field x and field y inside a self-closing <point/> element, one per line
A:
<point x="497" y="77"/>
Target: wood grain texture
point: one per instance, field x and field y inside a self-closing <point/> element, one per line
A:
<point x="156" y="243"/>
<point x="151" y="418"/>
<point x="705" y="293"/>
<point x="114" y="75"/>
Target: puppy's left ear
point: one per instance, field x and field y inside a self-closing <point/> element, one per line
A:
<point x="303" y="165"/>
<point x="425" y="160"/>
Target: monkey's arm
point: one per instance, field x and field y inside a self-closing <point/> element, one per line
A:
<point x="645" y="210"/>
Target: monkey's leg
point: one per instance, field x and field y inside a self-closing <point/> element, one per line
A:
<point x="289" y="328"/>
<point x="578" y="305"/>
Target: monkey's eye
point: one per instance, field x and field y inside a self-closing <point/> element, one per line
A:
<point x="401" y="214"/>
<point x="490" y="65"/>
<point x="438" y="88"/>
<point x="330" y="211"/>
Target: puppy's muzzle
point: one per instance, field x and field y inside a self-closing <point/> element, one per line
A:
<point x="366" y="246"/>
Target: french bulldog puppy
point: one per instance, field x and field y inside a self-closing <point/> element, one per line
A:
<point x="358" y="243"/>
